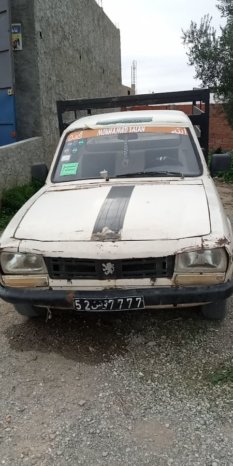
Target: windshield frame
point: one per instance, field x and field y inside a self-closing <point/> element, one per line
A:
<point x="99" y="179"/>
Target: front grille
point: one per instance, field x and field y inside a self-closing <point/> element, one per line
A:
<point x="71" y="269"/>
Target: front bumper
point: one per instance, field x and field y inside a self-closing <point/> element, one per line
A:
<point x="162" y="296"/>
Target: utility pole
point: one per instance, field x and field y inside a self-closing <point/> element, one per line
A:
<point x="134" y="76"/>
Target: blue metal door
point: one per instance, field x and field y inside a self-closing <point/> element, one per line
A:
<point x="7" y="98"/>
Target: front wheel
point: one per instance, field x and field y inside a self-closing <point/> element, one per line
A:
<point x="215" y="311"/>
<point x="28" y="310"/>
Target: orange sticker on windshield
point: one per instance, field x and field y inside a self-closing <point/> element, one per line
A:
<point x="75" y="136"/>
<point x="92" y="133"/>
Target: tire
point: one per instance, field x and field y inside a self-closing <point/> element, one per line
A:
<point x="215" y="311"/>
<point x="28" y="310"/>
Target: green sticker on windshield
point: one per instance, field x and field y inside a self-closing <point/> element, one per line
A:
<point x="68" y="169"/>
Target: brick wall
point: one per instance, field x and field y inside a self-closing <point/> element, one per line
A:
<point x="221" y="134"/>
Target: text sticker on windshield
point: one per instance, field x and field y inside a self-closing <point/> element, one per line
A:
<point x="182" y="131"/>
<point x="65" y="158"/>
<point x="68" y="169"/>
<point x="80" y="136"/>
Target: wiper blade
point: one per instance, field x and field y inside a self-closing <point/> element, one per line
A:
<point x="154" y="173"/>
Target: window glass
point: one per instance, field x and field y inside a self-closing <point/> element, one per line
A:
<point x="121" y="150"/>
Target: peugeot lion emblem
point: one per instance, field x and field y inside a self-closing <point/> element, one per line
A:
<point x="108" y="268"/>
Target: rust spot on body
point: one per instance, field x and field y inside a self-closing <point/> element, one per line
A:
<point x="153" y="281"/>
<point x="70" y="297"/>
<point x="222" y="242"/>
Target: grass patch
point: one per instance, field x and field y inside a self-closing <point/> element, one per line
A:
<point x="223" y="375"/>
<point x="14" y="198"/>
<point x="228" y="176"/>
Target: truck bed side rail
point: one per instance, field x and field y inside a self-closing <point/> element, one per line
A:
<point x="199" y="98"/>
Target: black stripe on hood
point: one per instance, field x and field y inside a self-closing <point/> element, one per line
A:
<point x="111" y="216"/>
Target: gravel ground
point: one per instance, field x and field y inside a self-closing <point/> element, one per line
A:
<point x="130" y="389"/>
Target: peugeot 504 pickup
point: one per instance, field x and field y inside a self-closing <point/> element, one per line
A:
<point x="129" y="218"/>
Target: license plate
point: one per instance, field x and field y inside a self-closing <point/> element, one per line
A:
<point x="113" y="304"/>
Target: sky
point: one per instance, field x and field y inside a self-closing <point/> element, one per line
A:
<point x="151" y="33"/>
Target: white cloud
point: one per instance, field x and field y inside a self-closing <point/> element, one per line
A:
<point x="151" y="34"/>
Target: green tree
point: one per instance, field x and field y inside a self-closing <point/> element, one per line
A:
<point x="211" y="54"/>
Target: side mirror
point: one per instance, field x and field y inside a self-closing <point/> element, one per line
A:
<point x="220" y="163"/>
<point x="39" y="172"/>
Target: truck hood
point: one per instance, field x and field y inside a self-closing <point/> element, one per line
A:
<point x="158" y="211"/>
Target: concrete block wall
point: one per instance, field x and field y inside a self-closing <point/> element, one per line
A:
<point x="71" y="49"/>
<point x="16" y="161"/>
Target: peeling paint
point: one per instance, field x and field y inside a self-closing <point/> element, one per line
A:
<point x="106" y="235"/>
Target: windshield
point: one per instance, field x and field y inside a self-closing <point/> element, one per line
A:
<point x="123" y="151"/>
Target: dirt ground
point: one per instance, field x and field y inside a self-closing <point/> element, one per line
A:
<point x="226" y="193"/>
<point x="152" y="388"/>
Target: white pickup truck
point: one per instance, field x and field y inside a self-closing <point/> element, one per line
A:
<point x="129" y="219"/>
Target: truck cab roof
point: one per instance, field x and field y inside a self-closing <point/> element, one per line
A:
<point x="150" y="117"/>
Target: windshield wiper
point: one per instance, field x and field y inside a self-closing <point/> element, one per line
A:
<point x="154" y="173"/>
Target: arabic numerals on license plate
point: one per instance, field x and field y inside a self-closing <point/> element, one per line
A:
<point x="77" y="305"/>
<point x="111" y="304"/>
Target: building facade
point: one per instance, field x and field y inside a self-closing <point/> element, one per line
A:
<point x="69" y="49"/>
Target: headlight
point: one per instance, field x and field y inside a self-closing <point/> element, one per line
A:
<point x="207" y="260"/>
<point x="18" y="263"/>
